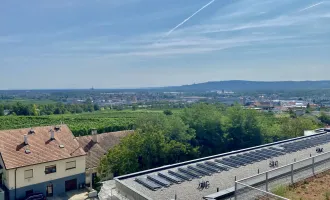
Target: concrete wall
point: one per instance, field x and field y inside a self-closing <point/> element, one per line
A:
<point x="39" y="175"/>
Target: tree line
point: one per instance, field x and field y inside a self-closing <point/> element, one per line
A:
<point x="47" y="109"/>
<point x="199" y="131"/>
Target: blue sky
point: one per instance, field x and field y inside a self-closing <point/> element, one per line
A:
<point x="133" y="43"/>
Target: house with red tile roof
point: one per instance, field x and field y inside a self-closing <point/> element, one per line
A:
<point x="47" y="160"/>
<point x="96" y="146"/>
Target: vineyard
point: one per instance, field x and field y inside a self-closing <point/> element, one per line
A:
<point x="80" y="124"/>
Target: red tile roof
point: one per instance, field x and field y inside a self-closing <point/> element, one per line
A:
<point x="13" y="149"/>
<point x="95" y="151"/>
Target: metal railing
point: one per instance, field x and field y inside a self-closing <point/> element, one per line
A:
<point x="266" y="182"/>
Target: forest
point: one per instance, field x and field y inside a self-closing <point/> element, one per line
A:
<point x="199" y="131"/>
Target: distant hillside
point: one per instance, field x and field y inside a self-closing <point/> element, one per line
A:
<point x="253" y="86"/>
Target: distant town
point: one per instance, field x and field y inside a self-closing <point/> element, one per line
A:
<point x="298" y="101"/>
<point x="77" y="144"/>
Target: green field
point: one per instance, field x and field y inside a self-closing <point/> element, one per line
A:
<point x="80" y="124"/>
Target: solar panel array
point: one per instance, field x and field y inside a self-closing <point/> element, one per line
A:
<point x="307" y="143"/>
<point x="207" y="168"/>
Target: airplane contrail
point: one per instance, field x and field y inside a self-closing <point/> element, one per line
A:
<point x="309" y="7"/>
<point x="184" y="21"/>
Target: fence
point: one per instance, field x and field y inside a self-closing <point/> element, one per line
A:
<point x="260" y="186"/>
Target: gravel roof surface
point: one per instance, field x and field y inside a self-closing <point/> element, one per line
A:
<point x="222" y="180"/>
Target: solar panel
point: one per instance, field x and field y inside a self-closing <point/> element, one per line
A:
<point x="253" y="160"/>
<point x="227" y="163"/>
<point x="159" y="180"/>
<point x="244" y="160"/>
<point x="200" y="170"/>
<point x="269" y="152"/>
<point x="208" y="167"/>
<point x="190" y="172"/>
<point x="181" y="175"/>
<point x="263" y="154"/>
<point x="261" y="157"/>
<point x="234" y="161"/>
<point x="148" y="184"/>
<point x="282" y="152"/>
<point x="276" y="149"/>
<point x="251" y="155"/>
<point x="305" y="143"/>
<point x="171" y="178"/>
<point x="219" y="166"/>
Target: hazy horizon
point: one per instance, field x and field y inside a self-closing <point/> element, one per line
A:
<point x="137" y="88"/>
<point x="145" y="43"/>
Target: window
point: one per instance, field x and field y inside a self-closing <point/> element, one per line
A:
<point x="28" y="174"/>
<point x="70" y="165"/>
<point x="50" y="169"/>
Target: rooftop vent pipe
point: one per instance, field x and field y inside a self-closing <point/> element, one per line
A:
<point x="57" y="128"/>
<point x="26" y="140"/>
<point x="31" y="131"/>
<point x="52" y="135"/>
<point x="94" y="136"/>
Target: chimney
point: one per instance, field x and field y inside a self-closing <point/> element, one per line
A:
<point x="94" y="136"/>
<point x="52" y="136"/>
<point x="31" y="131"/>
<point x="26" y="140"/>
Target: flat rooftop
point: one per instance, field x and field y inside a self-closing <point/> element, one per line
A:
<point x="221" y="171"/>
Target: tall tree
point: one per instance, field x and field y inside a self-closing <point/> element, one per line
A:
<point x="2" y="110"/>
<point x="324" y="118"/>
<point x="206" y="121"/>
<point x="157" y="141"/>
<point x="35" y="110"/>
<point x="295" y="127"/>
<point x="242" y="128"/>
<point x="168" y="112"/>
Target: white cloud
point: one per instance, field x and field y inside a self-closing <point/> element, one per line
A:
<point x="8" y="40"/>
<point x="214" y="34"/>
